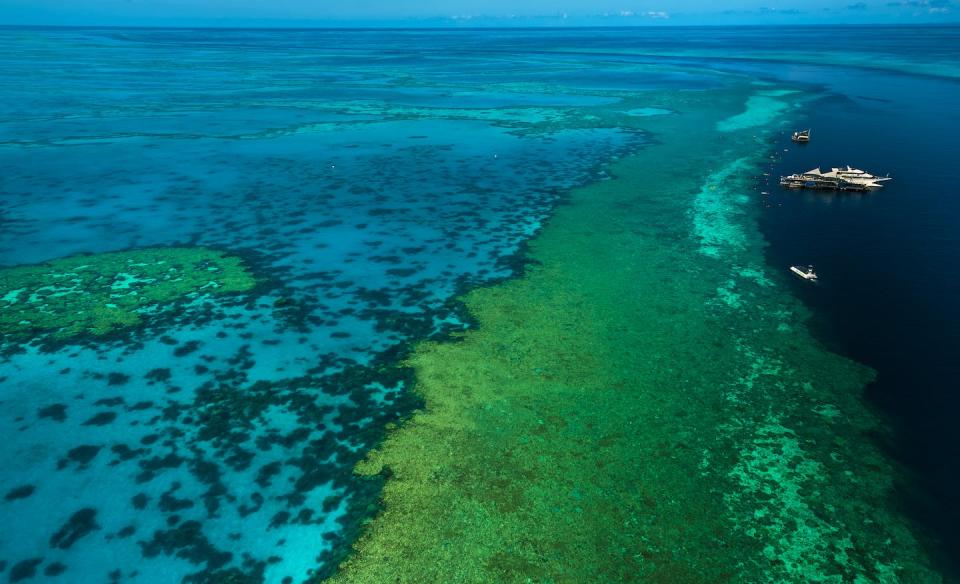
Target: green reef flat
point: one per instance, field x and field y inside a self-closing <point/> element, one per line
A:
<point x="101" y="293"/>
<point x="645" y="403"/>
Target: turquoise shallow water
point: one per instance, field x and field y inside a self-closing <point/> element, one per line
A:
<point x="366" y="181"/>
<point x="366" y="177"/>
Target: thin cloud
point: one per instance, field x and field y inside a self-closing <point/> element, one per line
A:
<point x="922" y="3"/>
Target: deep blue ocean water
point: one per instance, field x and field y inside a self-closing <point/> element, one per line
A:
<point x="889" y="261"/>
<point x="370" y="175"/>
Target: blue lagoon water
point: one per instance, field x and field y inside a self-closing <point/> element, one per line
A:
<point x="368" y="177"/>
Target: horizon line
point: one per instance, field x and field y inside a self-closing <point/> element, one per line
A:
<point x="394" y="26"/>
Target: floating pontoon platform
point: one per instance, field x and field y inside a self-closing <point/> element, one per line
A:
<point x="837" y="179"/>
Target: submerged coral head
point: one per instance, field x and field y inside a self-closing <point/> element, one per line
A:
<point x="101" y="293"/>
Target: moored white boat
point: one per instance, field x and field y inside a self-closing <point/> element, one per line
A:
<point x="857" y="176"/>
<point x="806" y="273"/>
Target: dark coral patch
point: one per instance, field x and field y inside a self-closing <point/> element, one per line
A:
<point x="187" y="542"/>
<point x="56" y="412"/>
<point x="80" y="524"/>
<point x="81" y="455"/>
<point x="143" y="405"/>
<point x="266" y="473"/>
<point x="186" y="348"/>
<point x="279" y="519"/>
<point x="117" y="378"/>
<point x="54" y="569"/>
<point x="140" y="501"/>
<point x="126" y="532"/>
<point x="25" y="569"/>
<point x="151" y="466"/>
<point x="124" y="452"/>
<point x="169" y="503"/>
<point x="110" y="401"/>
<point x="101" y="419"/>
<point x="159" y="374"/>
<point x="21" y="492"/>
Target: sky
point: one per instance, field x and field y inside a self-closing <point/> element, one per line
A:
<point x="471" y="12"/>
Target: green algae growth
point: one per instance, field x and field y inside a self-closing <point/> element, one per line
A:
<point x="645" y="404"/>
<point x="101" y="293"/>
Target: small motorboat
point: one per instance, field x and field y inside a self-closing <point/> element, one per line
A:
<point x="806" y="273"/>
<point x="801" y="136"/>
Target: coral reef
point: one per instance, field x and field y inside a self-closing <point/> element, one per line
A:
<point x="644" y="405"/>
<point x="99" y="294"/>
